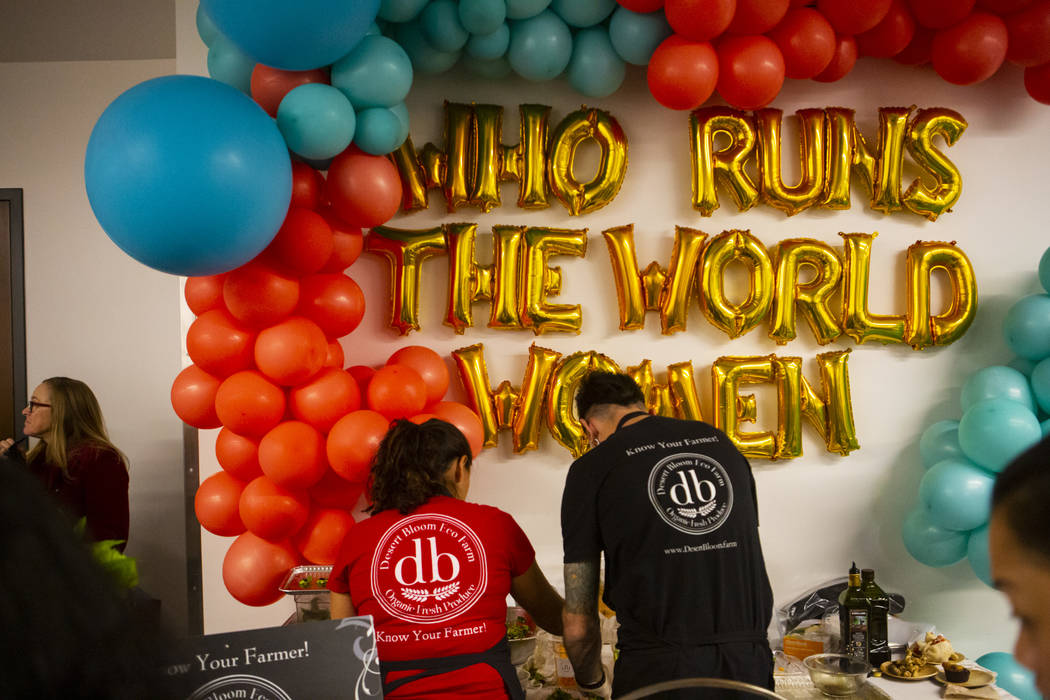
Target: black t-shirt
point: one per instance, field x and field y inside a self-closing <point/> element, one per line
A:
<point x="672" y="505"/>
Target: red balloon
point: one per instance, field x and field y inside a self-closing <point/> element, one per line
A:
<point x="1003" y="7"/>
<point x="271" y="511"/>
<point x="347" y="242"/>
<point x="757" y="16"/>
<point x="217" y="505"/>
<point x="248" y="404"/>
<point x="970" y="51"/>
<point x="321" y="537"/>
<point x="642" y="5"/>
<point x="258" y="295"/>
<point x="430" y="366"/>
<point x="204" y="293"/>
<point x="218" y="344"/>
<point x="853" y="17"/>
<point x="938" y="14"/>
<point x="682" y="73"/>
<point x="421" y="418"/>
<point x="396" y="391"/>
<point x="292" y="455"/>
<point x="307" y="185"/>
<point x="917" y="52"/>
<point x="352" y="443"/>
<point x="807" y="42"/>
<point x="238" y="456"/>
<point x="270" y="85"/>
<point x="750" y="71"/>
<point x="253" y="569"/>
<point x="291" y="351"/>
<point x="699" y="20"/>
<point x="333" y="301"/>
<point x="333" y="491"/>
<point x="325" y="399"/>
<point x="365" y="190"/>
<point x="193" y="396"/>
<point x="890" y="36"/>
<point x="302" y="245"/>
<point x="842" y="62"/>
<point x="334" y="357"/>
<point x="1029" y="33"/>
<point x="466" y="420"/>
<point x="1037" y="83"/>
<point x="362" y="374"/>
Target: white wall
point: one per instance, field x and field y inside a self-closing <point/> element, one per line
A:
<point x="91" y="311"/>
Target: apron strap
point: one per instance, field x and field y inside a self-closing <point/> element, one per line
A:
<point x="497" y="657"/>
<point x="630" y="416"/>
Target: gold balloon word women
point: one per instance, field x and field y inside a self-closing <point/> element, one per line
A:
<point x="831" y="148"/>
<point x="474" y="161"/>
<point x="544" y="398"/>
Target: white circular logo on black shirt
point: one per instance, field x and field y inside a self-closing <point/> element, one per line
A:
<point x="691" y="492"/>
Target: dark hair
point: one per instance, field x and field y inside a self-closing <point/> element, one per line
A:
<point x="411" y="463"/>
<point x="1021" y="493"/>
<point x="597" y="388"/>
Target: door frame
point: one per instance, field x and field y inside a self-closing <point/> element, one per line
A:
<point x="12" y="296"/>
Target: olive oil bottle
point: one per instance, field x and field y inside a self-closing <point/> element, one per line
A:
<point x="878" y="620"/>
<point x="854" y="617"/>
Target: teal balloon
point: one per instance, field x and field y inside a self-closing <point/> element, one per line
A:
<point x="931" y="544"/>
<point x="488" y="46"/>
<point x="488" y="67"/>
<point x="1022" y="365"/>
<point x="1044" y="270"/>
<point x="977" y="553"/>
<point x="635" y="35"/>
<point x="1040" y="379"/>
<point x="379" y="131"/>
<point x="441" y="26"/>
<point x="995" y="382"/>
<point x="940" y="441"/>
<point x="595" y="69"/>
<point x="583" y="13"/>
<point x="230" y="65"/>
<point x="957" y="494"/>
<point x="1011" y="676"/>
<point x="994" y="431"/>
<point x="206" y="29"/>
<point x="316" y="120"/>
<point x="482" y="16"/>
<point x="376" y="73"/>
<point x="1027" y="327"/>
<point x="425" y="58"/>
<point x="400" y="10"/>
<point x="540" y="47"/>
<point x="523" y="9"/>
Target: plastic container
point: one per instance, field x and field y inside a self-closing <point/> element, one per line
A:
<point x="837" y="674"/>
<point x="312" y="600"/>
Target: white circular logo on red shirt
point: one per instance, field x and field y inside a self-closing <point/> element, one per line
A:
<point x="428" y="568"/>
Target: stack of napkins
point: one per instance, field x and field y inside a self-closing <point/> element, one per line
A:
<point x="953" y="690"/>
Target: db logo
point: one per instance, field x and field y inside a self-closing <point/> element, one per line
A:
<point x="691" y="492"/>
<point x="428" y="568"/>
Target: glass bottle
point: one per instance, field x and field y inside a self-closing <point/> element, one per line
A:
<point x="878" y="632"/>
<point x="854" y="613"/>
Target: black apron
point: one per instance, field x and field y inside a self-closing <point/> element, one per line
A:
<point x="497" y="657"/>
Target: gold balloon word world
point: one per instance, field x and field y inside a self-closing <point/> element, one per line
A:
<point x="545" y="395"/>
<point x="520" y="280"/>
<point x="831" y="148"/>
<point x="474" y="161"/>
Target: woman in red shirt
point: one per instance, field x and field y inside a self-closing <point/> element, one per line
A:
<point x="434" y="572"/>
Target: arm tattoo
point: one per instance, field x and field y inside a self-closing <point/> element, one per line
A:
<point x="581" y="587"/>
<point x="582" y="637"/>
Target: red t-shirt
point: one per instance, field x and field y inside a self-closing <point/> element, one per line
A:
<point x="436" y="582"/>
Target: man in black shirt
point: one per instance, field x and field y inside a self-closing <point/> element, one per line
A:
<point x="671" y="504"/>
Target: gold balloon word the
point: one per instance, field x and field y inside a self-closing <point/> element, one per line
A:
<point x="545" y="396"/>
<point x="831" y="148"/>
<point x="518" y="282"/>
<point x="474" y="161"/>
<point x="697" y="270"/>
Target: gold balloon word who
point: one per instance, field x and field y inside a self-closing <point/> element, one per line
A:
<point x="474" y="162"/>
<point x="544" y="399"/>
<point x="729" y="145"/>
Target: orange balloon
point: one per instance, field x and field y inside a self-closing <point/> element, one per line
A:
<point x="333" y="491"/>
<point x="325" y="399"/>
<point x="218" y="344"/>
<point x="430" y="366"/>
<point x="466" y="420"/>
<point x="204" y="293"/>
<point x="421" y="418"/>
<point x="334" y="357"/>
<point x="273" y="512"/>
<point x="307" y="185"/>
<point x="347" y="240"/>
<point x="217" y="505"/>
<point x="291" y="351"/>
<point x="238" y="456"/>
<point x="258" y="295"/>
<point x="253" y="569"/>
<point x="303" y="243"/>
<point x="249" y="404"/>
<point x="292" y="455"/>
<point x="396" y="391"/>
<point x="193" y="396"/>
<point x="352" y="443"/>
<point x="332" y="301"/>
<point x="365" y="190"/>
<point x="270" y="85"/>
<point x="323" y="534"/>
<point x="362" y="374"/>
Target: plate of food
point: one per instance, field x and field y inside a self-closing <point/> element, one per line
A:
<point x="908" y="670"/>
<point x="966" y="677"/>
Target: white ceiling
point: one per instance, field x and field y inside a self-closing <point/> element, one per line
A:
<point x="86" y="30"/>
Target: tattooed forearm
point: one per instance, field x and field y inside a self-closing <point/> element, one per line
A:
<point x="581" y="587"/>
<point x="582" y="635"/>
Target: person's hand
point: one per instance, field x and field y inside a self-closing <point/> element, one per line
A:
<point x="5" y="445"/>
<point x="602" y="691"/>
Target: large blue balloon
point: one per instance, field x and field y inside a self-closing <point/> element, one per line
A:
<point x="188" y="175"/>
<point x="977" y="552"/>
<point x="957" y="494"/>
<point x="293" y="35"/>
<point x="316" y="120"/>
<point x="636" y="35"/>
<point x="931" y="544"/>
<point x="377" y="73"/>
<point x="206" y="29"/>
<point x="994" y="431"/>
<point x="997" y="382"/>
<point x="1027" y="327"/>
<point x="940" y="441"/>
<point x="540" y="47"/>
<point x="1010" y="675"/>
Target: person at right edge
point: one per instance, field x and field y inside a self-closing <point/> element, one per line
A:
<point x="671" y="505"/>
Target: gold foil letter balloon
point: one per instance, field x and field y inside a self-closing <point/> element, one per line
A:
<point x="575" y="129"/>
<point x="725" y="248"/>
<point x="928" y="123"/>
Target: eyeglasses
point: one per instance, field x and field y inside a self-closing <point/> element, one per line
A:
<point x="33" y="405"/>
